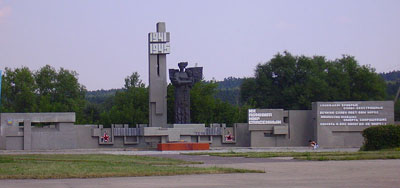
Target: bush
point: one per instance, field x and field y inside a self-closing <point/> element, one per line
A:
<point x="381" y="137"/>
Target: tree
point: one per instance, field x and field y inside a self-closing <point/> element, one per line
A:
<point x="206" y="108"/>
<point x="293" y="82"/>
<point x="91" y="114"/>
<point x="170" y="103"/>
<point x="248" y="91"/>
<point x="133" y="81"/>
<point x="202" y="102"/>
<point x="18" y="92"/>
<point x="45" y="90"/>
<point x="131" y="105"/>
<point x="46" y="79"/>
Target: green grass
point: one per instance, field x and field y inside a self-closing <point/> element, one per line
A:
<point x="320" y="156"/>
<point x="95" y="166"/>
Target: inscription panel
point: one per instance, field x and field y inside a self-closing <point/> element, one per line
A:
<point x="265" y="116"/>
<point x="159" y="43"/>
<point x="354" y="113"/>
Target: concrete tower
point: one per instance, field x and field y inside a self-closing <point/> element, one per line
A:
<point x="158" y="50"/>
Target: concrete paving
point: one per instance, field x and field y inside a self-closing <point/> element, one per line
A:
<point x="132" y="151"/>
<point x="213" y="160"/>
<point x="280" y="172"/>
<point x="371" y="173"/>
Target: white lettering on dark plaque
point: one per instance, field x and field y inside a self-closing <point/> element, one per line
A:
<point x="262" y="118"/>
<point x="350" y="114"/>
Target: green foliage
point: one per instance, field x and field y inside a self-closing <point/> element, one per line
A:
<point x="45" y="90"/>
<point x="100" y="96"/>
<point x="392" y="87"/>
<point x="133" y="81"/>
<point x="397" y="111"/>
<point x="294" y="82"/>
<point x="18" y="90"/>
<point x="381" y="137"/>
<point x="247" y="91"/>
<point x="91" y="113"/>
<point x="391" y="76"/>
<point x="230" y="83"/>
<point x="170" y="103"/>
<point x="228" y="90"/>
<point x="205" y="108"/>
<point x="129" y="106"/>
<point x="231" y="96"/>
<point x="286" y="81"/>
<point x="57" y="166"/>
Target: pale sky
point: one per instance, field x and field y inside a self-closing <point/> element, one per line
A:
<point x="106" y="40"/>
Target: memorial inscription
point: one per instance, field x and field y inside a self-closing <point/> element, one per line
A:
<point x="159" y="43"/>
<point x="265" y="117"/>
<point x="351" y="114"/>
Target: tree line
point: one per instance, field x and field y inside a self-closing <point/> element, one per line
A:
<point x="49" y="90"/>
<point x="293" y="82"/>
<point x="45" y="90"/>
<point x="286" y="81"/>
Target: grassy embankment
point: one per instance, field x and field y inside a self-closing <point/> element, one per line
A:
<point x="319" y="156"/>
<point x="95" y="166"/>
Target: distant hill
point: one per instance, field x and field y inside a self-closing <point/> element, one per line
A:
<point x="393" y="83"/>
<point x="229" y="89"/>
<point x="100" y="96"/>
<point x="230" y="83"/>
<point x="391" y="76"/>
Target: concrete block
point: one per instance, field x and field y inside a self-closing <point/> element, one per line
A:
<point x="27" y="135"/>
<point x="189" y="126"/>
<point x="261" y="127"/>
<point x="96" y="132"/>
<point x="280" y="130"/>
<point x="174" y="136"/>
<point x="13" y="131"/>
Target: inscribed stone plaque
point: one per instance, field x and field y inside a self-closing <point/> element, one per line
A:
<point x="357" y="113"/>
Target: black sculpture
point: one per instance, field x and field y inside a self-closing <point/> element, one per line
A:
<point x="183" y="80"/>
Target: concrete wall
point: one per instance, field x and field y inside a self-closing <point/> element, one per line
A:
<point x="241" y="134"/>
<point x="16" y="132"/>
<point x="63" y="136"/>
<point x="269" y="135"/>
<point x="61" y="133"/>
<point x="344" y="128"/>
<point x="300" y="127"/>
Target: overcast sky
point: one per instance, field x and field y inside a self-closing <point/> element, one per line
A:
<point x="106" y="40"/>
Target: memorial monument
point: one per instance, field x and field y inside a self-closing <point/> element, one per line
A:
<point x="158" y="49"/>
<point x="183" y="79"/>
<point x="331" y="124"/>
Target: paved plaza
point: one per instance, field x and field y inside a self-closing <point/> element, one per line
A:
<point x="280" y="172"/>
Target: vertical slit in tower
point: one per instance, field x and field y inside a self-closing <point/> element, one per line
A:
<point x="158" y="66"/>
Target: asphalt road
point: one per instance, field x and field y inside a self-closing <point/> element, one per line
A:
<point x="279" y="173"/>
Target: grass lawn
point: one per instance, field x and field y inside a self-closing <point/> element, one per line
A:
<point x="95" y="166"/>
<point x="320" y="156"/>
